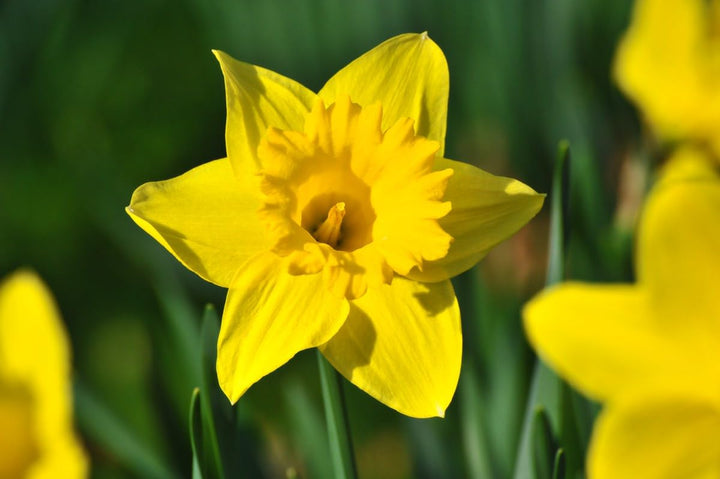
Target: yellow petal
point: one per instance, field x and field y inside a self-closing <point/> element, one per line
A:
<point x="33" y="342"/>
<point x="687" y="163"/>
<point x="269" y="316"/>
<point x="206" y="217"/>
<point x="35" y="358"/>
<point x="656" y="437"/>
<point x="402" y="344"/>
<point x="408" y="74"/>
<point x="679" y="246"/>
<point x="486" y="209"/>
<point x="667" y="64"/>
<point x="256" y="100"/>
<point x="65" y="459"/>
<point x="603" y="340"/>
<point x="18" y="441"/>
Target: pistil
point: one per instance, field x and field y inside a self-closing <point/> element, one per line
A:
<point x="329" y="231"/>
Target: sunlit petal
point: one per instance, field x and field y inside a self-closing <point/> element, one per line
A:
<point x="207" y="218"/>
<point x="408" y="74"/>
<point x="270" y="316"/>
<point x="402" y="345"/>
<point x="486" y="209"/>
<point x="257" y="99"/>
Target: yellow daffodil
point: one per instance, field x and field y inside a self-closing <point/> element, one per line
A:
<point x="668" y="63"/>
<point x="651" y="350"/>
<point x="335" y="222"/>
<point x="36" y="432"/>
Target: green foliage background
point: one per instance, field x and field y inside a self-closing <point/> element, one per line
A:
<point x="99" y="97"/>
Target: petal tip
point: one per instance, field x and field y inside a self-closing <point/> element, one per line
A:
<point x="227" y="387"/>
<point x="23" y="275"/>
<point x="222" y="58"/>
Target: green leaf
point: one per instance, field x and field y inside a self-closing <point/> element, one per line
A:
<point x="559" y="219"/>
<point x="107" y="431"/>
<point x="546" y="389"/>
<point x="472" y="410"/>
<point x="196" y="474"/>
<point x="559" y="465"/>
<point x="211" y="461"/>
<point x="543" y="445"/>
<point x="230" y="441"/>
<point x="195" y="422"/>
<point x="569" y="433"/>
<point x="178" y="339"/>
<point x="545" y="392"/>
<point x="307" y="427"/>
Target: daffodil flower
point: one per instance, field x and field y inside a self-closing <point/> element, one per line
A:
<point x="335" y="222"/>
<point x="651" y="350"/>
<point x="36" y="433"/>
<point x="668" y="63"/>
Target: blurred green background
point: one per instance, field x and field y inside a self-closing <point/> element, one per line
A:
<point x="97" y="98"/>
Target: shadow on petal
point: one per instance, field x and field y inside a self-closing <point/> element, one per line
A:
<point x="433" y="300"/>
<point x="179" y="245"/>
<point x="358" y="337"/>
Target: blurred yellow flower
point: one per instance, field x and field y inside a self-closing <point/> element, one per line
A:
<point x="668" y="63"/>
<point x="650" y="351"/>
<point x="335" y="222"/>
<point x="36" y="431"/>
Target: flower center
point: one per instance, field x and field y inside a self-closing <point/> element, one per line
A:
<point x="350" y="199"/>
<point x="319" y="198"/>
<point x="17" y="440"/>
<point x="329" y="231"/>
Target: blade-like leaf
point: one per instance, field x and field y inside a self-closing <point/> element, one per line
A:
<point x="109" y="432"/>
<point x="195" y="423"/>
<point x="230" y="439"/>
<point x="476" y="451"/>
<point x="546" y="389"/>
<point x="559" y="219"/>
<point x="543" y="445"/>
<point x="559" y="465"/>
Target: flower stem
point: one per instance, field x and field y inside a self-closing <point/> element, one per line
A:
<point x="337" y="420"/>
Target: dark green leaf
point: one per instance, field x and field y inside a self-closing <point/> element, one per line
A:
<point x="546" y="390"/>
<point x="559" y="465"/>
<point x="106" y="430"/>
<point x="195" y="423"/>
<point x="559" y="219"/>
<point x="543" y="445"/>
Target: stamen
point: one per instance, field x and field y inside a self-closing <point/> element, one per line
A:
<point x="329" y="231"/>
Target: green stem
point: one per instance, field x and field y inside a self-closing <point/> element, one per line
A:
<point x="337" y="420"/>
<point x="559" y="221"/>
